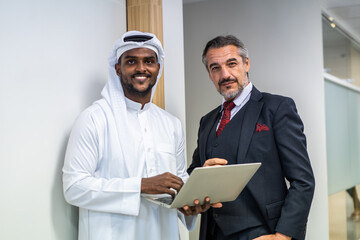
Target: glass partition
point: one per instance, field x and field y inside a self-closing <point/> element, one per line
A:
<point x="342" y="108"/>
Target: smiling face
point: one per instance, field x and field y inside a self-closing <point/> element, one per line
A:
<point x="227" y="70"/>
<point x="138" y="71"/>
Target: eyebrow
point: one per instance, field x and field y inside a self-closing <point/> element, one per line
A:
<point x="231" y="59"/>
<point x="213" y="64"/>
<point x="227" y="61"/>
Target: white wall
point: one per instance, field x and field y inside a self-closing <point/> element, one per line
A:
<point x="174" y="76"/>
<point x="53" y="63"/>
<point x="285" y="46"/>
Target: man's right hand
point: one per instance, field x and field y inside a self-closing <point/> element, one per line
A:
<point x="161" y="184"/>
<point x="215" y="162"/>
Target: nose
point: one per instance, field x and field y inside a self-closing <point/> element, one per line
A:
<point x="225" y="74"/>
<point x="140" y="67"/>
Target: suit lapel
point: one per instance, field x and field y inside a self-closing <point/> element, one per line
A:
<point x="252" y="113"/>
<point x="208" y="124"/>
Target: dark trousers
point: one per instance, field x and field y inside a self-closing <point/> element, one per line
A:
<point x="247" y="234"/>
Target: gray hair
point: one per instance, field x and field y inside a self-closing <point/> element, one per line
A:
<point x="222" y="41"/>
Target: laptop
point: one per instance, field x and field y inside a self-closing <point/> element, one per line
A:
<point x="220" y="183"/>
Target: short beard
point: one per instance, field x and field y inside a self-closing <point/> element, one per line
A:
<point x="232" y="94"/>
<point x="131" y="90"/>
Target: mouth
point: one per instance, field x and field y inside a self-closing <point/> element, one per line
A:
<point x="141" y="77"/>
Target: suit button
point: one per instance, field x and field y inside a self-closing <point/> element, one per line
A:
<point x="216" y="215"/>
<point x="215" y="145"/>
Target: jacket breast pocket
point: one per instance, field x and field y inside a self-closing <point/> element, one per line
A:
<point x="166" y="157"/>
<point x="274" y="209"/>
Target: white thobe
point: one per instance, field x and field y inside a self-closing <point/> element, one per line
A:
<point x="96" y="179"/>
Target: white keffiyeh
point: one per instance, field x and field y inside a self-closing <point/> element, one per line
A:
<point x="113" y="93"/>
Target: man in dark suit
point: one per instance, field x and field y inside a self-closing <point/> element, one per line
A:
<point x="252" y="126"/>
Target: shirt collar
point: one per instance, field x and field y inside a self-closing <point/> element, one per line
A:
<point x="241" y="97"/>
<point x="130" y="104"/>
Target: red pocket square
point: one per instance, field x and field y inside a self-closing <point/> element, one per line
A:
<point x="260" y="127"/>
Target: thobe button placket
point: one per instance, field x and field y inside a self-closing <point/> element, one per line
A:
<point x="150" y="160"/>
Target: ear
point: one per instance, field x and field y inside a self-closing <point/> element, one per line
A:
<point x="117" y="69"/>
<point x="247" y="65"/>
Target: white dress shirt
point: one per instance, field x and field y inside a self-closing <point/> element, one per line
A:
<point x="239" y="101"/>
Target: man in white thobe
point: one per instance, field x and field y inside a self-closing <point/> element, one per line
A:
<point x="123" y="146"/>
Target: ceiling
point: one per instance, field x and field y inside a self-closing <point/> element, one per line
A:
<point x="346" y="14"/>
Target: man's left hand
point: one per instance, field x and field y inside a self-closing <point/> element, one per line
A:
<point x="197" y="208"/>
<point x="276" y="236"/>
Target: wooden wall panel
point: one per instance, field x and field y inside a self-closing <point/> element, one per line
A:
<point x="146" y="16"/>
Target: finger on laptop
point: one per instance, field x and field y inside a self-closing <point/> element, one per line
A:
<point x="215" y="162"/>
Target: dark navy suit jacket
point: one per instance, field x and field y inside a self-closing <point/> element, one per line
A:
<point x="272" y="133"/>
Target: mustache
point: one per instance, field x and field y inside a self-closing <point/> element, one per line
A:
<point x="222" y="81"/>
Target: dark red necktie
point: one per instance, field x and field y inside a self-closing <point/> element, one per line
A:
<point x="225" y="117"/>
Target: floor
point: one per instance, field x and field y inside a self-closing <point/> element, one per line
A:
<point x="342" y="226"/>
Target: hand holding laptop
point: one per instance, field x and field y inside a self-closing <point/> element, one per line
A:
<point x="162" y="183"/>
<point x="216" y="182"/>
<point x="197" y="208"/>
<point x="215" y="162"/>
